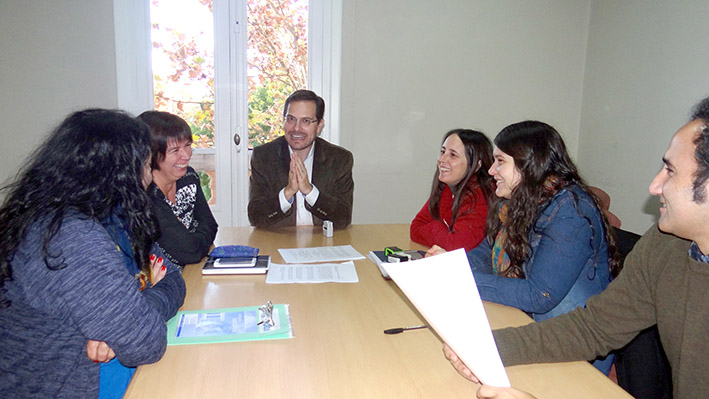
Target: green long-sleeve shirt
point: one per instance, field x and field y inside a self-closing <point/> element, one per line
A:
<point x="661" y="284"/>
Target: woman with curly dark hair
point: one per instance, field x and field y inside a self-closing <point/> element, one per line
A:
<point x="83" y="297"/>
<point x="455" y="213"/>
<point x="548" y="246"/>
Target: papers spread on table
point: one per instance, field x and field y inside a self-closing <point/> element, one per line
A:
<point x="320" y="254"/>
<point x="443" y="289"/>
<point x="320" y="273"/>
<point x="227" y="325"/>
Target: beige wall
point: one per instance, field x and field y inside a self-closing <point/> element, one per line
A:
<point x="412" y="70"/>
<point x="647" y="65"/>
<point x="55" y="57"/>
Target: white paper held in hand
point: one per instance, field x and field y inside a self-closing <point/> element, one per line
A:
<point x="443" y="289"/>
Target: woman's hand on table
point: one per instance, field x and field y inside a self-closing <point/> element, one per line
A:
<point x="99" y="351"/>
<point x="157" y="269"/>
<point x="458" y="364"/>
<point x="488" y="392"/>
<point x="435" y="250"/>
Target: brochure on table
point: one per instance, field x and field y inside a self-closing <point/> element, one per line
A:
<point x="227" y="325"/>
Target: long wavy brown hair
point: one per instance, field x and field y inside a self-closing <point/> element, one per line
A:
<point x="477" y="149"/>
<point x="545" y="168"/>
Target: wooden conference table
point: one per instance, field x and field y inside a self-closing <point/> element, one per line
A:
<point x="339" y="349"/>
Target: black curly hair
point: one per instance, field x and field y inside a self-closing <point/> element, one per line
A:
<point x="701" y="152"/>
<point x="91" y="164"/>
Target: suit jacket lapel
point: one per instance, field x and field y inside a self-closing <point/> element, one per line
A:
<point x="319" y="160"/>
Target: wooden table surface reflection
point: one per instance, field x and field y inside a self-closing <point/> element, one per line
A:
<point x="339" y="349"/>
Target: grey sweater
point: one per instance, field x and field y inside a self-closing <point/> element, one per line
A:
<point x="661" y="284"/>
<point x="43" y="333"/>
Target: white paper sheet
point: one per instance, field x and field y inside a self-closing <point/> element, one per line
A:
<point x="320" y="273"/>
<point x="320" y="254"/>
<point x="443" y="289"/>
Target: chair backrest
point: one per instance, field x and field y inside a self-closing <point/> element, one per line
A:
<point x="605" y="205"/>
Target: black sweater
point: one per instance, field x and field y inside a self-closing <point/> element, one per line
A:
<point x="187" y="227"/>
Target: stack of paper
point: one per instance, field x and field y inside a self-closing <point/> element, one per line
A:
<point x="443" y="289"/>
<point x="320" y="254"/>
<point x="319" y="273"/>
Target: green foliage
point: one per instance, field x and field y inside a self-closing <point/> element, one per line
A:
<point x="205" y="181"/>
<point x="278" y="52"/>
<point x="265" y="112"/>
<point x="277" y="61"/>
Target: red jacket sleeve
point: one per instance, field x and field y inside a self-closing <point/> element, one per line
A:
<point x="468" y="230"/>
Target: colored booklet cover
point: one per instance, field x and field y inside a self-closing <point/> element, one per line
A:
<point x="228" y="325"/>
<point x="237" y="265"/>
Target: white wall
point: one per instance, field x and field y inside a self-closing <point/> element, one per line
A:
<point x="56" y="57"/>
<point x="648" y="64"/>
<point x="413" y="70"/>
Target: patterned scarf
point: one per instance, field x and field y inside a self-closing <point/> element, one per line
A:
<point x="500" y="259"/>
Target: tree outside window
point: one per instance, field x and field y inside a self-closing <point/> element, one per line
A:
<point x="183" y="63"/>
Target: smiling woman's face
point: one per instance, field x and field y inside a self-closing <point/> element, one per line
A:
<point x="505" y="173"/>
<point x="177" y="157"/>
<point x="452" y="162"/>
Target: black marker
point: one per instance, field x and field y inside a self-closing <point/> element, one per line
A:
<point x="402" y="329"/>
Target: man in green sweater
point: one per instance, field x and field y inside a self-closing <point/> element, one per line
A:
<point x="665" y="281"/>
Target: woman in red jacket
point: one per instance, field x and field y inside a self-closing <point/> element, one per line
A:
<point x="456" y="211"/>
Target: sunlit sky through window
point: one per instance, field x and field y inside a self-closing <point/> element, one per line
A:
<point x="186" y="16"/>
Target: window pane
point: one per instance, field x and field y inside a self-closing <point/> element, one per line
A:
<point x="183" y="75"/>
<point x="277" y="58"/>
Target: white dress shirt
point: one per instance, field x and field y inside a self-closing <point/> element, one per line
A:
<point x="303" y="216"/>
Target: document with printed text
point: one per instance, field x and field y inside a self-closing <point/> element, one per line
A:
<point x="320" y="254"/>
<point x="320" y="273"/>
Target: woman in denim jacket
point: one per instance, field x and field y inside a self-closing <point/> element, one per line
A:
<point x="548" y="246"/>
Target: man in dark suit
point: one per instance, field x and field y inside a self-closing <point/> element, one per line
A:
<point x="301" y="179"/>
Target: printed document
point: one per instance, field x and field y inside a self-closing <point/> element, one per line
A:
<point x="320" y="273"/>
<point x="320" y="254"/>
<point x="443" y="289"/>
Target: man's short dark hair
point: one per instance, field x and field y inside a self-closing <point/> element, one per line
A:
<point x="306" y="95"/>
<point x="701" y="151"/>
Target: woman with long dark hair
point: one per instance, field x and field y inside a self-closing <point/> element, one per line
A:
<point x="81" y="288"/>
<point x="548" y="246"/>
<point x="187" y="227"/>
<point x="455" y="213"/>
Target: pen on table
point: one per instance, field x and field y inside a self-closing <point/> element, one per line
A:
<point x="402" y="329"/>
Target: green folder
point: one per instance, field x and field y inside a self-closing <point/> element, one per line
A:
<point x="227" y="325"/>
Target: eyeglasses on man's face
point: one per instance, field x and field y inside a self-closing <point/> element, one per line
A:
<point x="305" y="122"/>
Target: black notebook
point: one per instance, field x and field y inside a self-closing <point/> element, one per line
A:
<point x="378" y="257"/>
<point x="237" y="265"/>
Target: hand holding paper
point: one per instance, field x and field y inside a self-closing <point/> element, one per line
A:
<point x="443" y="289"/>
<point x="458" y="364"/>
